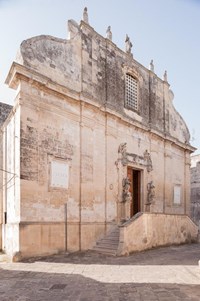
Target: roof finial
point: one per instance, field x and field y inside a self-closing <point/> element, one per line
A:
<point x="128" y="44"/>
<point x="151" y="66"/>
<point x="165" y="76"/>
<point x="109" y="33"/>
<point x="85" y="15"/>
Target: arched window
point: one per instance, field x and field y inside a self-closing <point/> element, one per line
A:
<point x="131" y="94"/>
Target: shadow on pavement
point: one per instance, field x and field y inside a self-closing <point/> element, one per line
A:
<point x="173" y="255"/>
<point x="32" y="286"/>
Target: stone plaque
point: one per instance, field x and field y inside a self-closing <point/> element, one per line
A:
<point x="59" y="174"/>
<point x="177" y="194"/>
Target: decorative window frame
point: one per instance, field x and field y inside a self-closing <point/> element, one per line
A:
<point x="133" y="73"/>
<point x="131" y="92"/>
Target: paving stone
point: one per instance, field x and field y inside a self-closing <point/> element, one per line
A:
<point x="84" y="276"/>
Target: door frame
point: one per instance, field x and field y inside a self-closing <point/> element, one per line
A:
<point x="139" y="187"/>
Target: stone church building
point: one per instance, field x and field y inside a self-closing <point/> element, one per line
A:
<point x="92" y="144"/>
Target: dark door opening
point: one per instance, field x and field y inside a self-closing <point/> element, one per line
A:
<point x="134" y="176"/>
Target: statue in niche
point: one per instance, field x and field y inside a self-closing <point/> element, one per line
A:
<point x="109" y="33"/>
<point x="85" y="15"/>
<point x="147" y="158"/>
<point x="150" y="193"/>
<point x="128" y="44"/>
<point x="126" y="184"/>
<point x="123" y="152"/>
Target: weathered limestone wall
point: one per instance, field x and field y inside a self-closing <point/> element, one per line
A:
<point x="11" y="182"/>
<point x="41" y="238"/>
<point x="1" y="187"/>
<point x="53" y="128"/>
<point x="96" y="67"/>
<point x="49" y="132"/>
<point x="87" y="138"/>
<point x="195" y="189"/>
<point x="4" y="112"/>
<point x="156" y="230"/>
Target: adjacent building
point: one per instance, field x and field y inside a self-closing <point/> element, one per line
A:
<point x="195" y="189"/>
<point x="93" y="139"/>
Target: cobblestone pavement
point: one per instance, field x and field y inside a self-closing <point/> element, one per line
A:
<point x="164" y="274"/>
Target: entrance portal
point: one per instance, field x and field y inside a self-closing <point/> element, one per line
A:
<point x="134" y="176"/>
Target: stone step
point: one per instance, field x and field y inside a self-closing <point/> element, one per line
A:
<point x="113" y="235"/>
<point x="114" y="231"/>
<point x="106" y="241"/>
<point x="114" y="248"/>
<point x="105" y="251"/>
<point x="110" y="238"/>
<point x="106" y="245"/>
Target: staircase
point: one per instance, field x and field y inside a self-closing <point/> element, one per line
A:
<point x="109" y="244"/>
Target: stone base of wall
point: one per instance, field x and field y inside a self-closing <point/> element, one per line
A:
<point x="40" y="239"/>
<point x="0" y="237"/>
<point x="10" y="240"/>
<point x="148" y="230"/>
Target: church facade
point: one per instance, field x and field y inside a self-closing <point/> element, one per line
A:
<point x="93" y="141"/>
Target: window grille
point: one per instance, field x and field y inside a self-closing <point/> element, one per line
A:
<point x="131" y="101"/>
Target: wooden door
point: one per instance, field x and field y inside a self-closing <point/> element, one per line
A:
<point x="134" y="177"/>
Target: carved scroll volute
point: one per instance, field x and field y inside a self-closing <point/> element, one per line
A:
<point x="148" y="160"/>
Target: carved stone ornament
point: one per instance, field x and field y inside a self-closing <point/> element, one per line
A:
<point x="126" y="195"/>
<point x="150" y="193"/>
<point x="148" y="160"/>
<point x="123" y="152"/>
<point x="122" y="148"/>
<point x="128" y="44"/>
<point x="127" y="158"/>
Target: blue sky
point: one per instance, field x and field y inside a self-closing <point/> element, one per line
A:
<point x="165" y="31"/>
